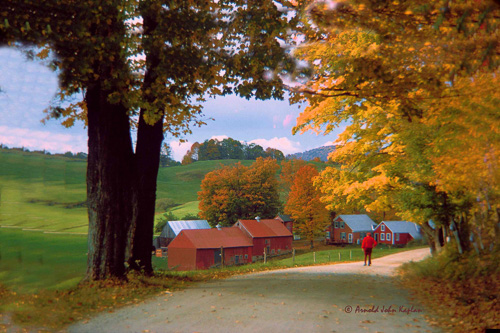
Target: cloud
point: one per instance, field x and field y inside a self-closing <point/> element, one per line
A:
<point x="40" y="140"/>
<point x="284" y="144"/>
<point x="179" y="149"/>
<point x="288" y="120"/>
<point x="329" y="143"/>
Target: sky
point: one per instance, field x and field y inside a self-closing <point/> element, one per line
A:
<point x="28" y="87"/>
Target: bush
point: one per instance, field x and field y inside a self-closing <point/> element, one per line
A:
<point x="162" y="221"/>
<point x="164" y="204"/>
<point x="190" y="216"/>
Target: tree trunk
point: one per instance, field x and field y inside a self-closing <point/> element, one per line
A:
<point x="109" y="185"/>
<point x="149" y="139"/>
<point x="431" y="238"/>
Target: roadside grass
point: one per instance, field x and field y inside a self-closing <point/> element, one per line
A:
<point x="462" y="291"/>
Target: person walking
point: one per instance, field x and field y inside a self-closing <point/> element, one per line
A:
<point x="368" y="244"/>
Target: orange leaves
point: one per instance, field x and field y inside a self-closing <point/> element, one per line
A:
<point x="235" y="192"/>
<point x="304" y="204"/>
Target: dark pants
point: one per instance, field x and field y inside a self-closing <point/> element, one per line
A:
<point x="368" y="253"/>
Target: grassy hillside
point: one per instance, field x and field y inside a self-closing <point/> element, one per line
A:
<point x="48" y="193"/>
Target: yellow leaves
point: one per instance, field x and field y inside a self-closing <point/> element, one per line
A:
<point x="43" y="54"/>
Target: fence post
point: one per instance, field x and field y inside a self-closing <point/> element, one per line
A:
<point x="293" y="256"/>
<point x="328" y="257"/>
<point x="222" y="257"/>
<point x="339" y="256"/>
<point x="350" y="254"/>
<point x="314" y="257"/>
<point x="265" y="257"/>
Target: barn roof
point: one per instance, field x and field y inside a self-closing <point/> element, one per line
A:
<point x="401" y="227"/>
<point x="173" y="228"/>
<point x="264" y="228"/>
<point x="358" y="222"/>
<point x="211" y="238"/>
<point x="284" y="218"/>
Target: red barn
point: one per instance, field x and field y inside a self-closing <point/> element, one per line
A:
<point x="201" y="249"/>
<point x="267" y="235"/>
<point x="396" y="232"/>
<point x="349" y="229"/>
<point x="286" y="220"/>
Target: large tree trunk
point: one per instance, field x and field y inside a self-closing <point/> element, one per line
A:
<point x="110" y="174"/>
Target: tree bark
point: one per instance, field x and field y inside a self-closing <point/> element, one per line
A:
<point x="149" y="139"/>
<point x="110" y="173"/>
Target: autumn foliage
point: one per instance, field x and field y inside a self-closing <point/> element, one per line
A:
<point x="240" y="192"/>
<point x="304" y="204"/>
<point x="421" y="106"/>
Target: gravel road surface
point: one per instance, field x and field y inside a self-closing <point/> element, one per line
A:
<point x="333" y="298"/>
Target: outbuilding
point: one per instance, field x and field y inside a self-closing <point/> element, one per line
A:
<point x="349" y="229"/>
<point x="205" y="248"/>
<point x="268" y="235"/>
<point x="396" y="232"/>
<point x="286" y="220"/>
<point x="173" y="228"/>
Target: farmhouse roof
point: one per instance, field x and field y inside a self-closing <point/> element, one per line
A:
<point x="211" y="238"/>
<point x="284" y="218"/>
<point x="358" y="222"/>
<point x="173" y="228"/>
<point x="264" y="228"/>
<point x="401" y="227"/>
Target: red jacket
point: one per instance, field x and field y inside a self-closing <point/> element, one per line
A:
<point x="368" y="242"/>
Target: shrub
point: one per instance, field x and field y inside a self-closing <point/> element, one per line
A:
<point x="164" y="204"/>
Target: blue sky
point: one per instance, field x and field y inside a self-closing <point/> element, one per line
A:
<point x="28" y="87"/>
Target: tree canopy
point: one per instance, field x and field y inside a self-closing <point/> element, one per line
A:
<point x="304" y="204"/>
<point x="145" y="64"/>
<point x="417" y="83"/>
<point x="240" y="192"/>
<point x="228" y="148"/>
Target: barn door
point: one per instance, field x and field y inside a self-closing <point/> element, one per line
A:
<point x="217" y="257"/>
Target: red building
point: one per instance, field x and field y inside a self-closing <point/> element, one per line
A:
<point x="349" y="229"/>
<point x="396" y="232"/>
<point x="205" y="248"/>
<point x="267" y="235"/>
<point x="286" y="220"/>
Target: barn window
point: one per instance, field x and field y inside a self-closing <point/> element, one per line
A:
<point x="396" y="237"/>
<point x="382" y="227"/>
<point x="267" y="241"/>
<point x="342" y="225"/>
<point x="272" y="251"/>
<point x="342" y="235"/>
<point x="246" y="256"/>
<point x="336" y="225"/>
<point x="382" y="237"/>
<point x="328" y="234"/>
<point x="350" y="238"/>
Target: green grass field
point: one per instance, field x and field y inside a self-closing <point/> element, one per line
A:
<point x="48" y="193"/>
<point x="43" y="217"/>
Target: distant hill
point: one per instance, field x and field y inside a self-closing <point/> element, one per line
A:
<point x="321" y="152"/>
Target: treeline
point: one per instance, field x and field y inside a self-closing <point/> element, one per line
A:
<point x="226" y="149"/>
<point x="80" y="155"/>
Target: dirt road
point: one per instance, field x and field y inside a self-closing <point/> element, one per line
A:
<point x="334" y="298"/>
